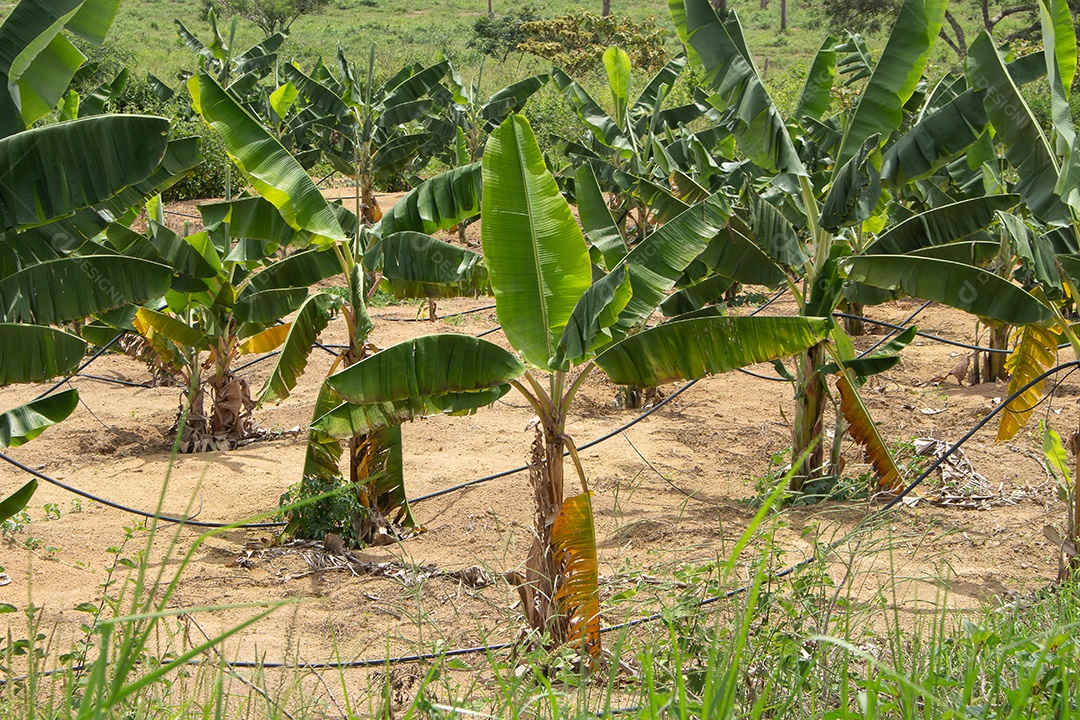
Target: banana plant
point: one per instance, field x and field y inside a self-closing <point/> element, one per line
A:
<point x="238" y="70"/>
<point x="562" y="323"/>
<point x="374" y="458"/>
<point x="229" y="298"/>
<point x="832" y="218"/>
<point x="361" y="128"/>
<point x="642" y="154"/>
<point x="56" y="180"/>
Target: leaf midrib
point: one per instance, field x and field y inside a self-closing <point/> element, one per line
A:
<point x="532" y="232"/>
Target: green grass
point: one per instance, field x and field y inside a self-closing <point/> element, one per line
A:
<point x="814" y="645"/>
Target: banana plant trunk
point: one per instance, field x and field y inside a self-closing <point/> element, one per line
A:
<point x="854" y="325"/>
<point x="994" y="362"/>
<point x="808" y="431"/>
<point x="542" y="570"/>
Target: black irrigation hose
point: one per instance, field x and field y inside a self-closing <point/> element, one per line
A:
<point x="82" y="367"/>
<point x="791" y="569"/>
<point x="586" y="446"/>
<point x="894" y="331"/>
<point x="420" y="657"/>
<point x="114" y="381"/>
<point x="185" y="215"/>
<point x="900" y="328"/>
<point x="124" y="508"/>
<point x="444" y="317"/>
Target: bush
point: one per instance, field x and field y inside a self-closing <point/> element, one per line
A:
<point x="207" y="180"/>
<point x="500" y="34"/>
<point x="576" y="42"/>
<point x="336" y="513"/>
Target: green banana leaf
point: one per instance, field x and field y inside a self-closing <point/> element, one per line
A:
<point x="423" y="266"/>
<point x="599" y="226"/>
<point x="970" y="252"/>
<point x="431" y="374"/>
<point x="1059" y="48"/>
<point x="320" y="97"/>
<point x="897" y="73"/>
<point x="512" y="98"/>
<point x="438" y="203"/>
<point x="350" y="420"/>
<point x="691" y="349"/>
<point x="32" y="353"/>
<point x="617" y="66"/>
<point x="646" y="103"/>
<point x="268" y="306"/>
<point x="935" y="139"/>
<point x="734" y="256"/>
<point x="429" y="366"/>
<point x="27" y="31"/>
<point x="941" y="225"/>
<point x="730" y="73"/>
<point x="73" y="288"/>
<point x="22" y="424"/>
<point x="311" y="319"/>
<point x="774" y="234"/>
<point x="16" y="501"/>
<point x="270" y="169"/>
<point x="534" y="249"/>
<point x="596" y="311"/>
<point x="693" y="298"/>
<point x="817" y="91"/>
<point x="299" y="270"/>
<point x="1026" y="147"/>
<point x="954" y="284"/>
<point x="50" y="172"/>
<point x="252" y="218"/>
<point x="600" y="124"/>
<point x="855" y="191"/>
<point x="659" y="261"/>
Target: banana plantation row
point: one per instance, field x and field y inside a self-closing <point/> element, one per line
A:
<point x="945" y="189"/>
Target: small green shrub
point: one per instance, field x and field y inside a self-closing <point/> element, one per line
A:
<point x="337" y="513"/>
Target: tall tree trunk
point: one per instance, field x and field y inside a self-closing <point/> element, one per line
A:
<point x="808" y="431"/>
<point x="721" y="7"/>
<point x="783" y="15"/>
<point x="764" y="4"/>
<point x="605" y="9"/>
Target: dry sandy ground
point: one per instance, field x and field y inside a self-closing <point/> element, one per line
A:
<point x="670" y="494"/>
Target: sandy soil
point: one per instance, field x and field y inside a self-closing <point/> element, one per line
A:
<point x="670" y="494"/>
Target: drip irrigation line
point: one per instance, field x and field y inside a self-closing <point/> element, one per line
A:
<point x="444" y="317"/>
<point x="759" y="376"/>
<point x="901" y="328"/>
<point x="586" y="446"/>
<point x="82" y="367"/>
<point x="894" y="331"/>
<point x="133" y="511"/>
<point x="185" y="215"/>
<point x="495" y="329"/>
<point x="114" y="381"/>
<point x="896" y="500"/>
<point x="327" y="177"/>
<point x="476" y="650"/>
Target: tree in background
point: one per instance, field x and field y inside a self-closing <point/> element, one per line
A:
<point x="271" y="16"/>
<point x="498" y="35"/>
<point x="870" y="15"/>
